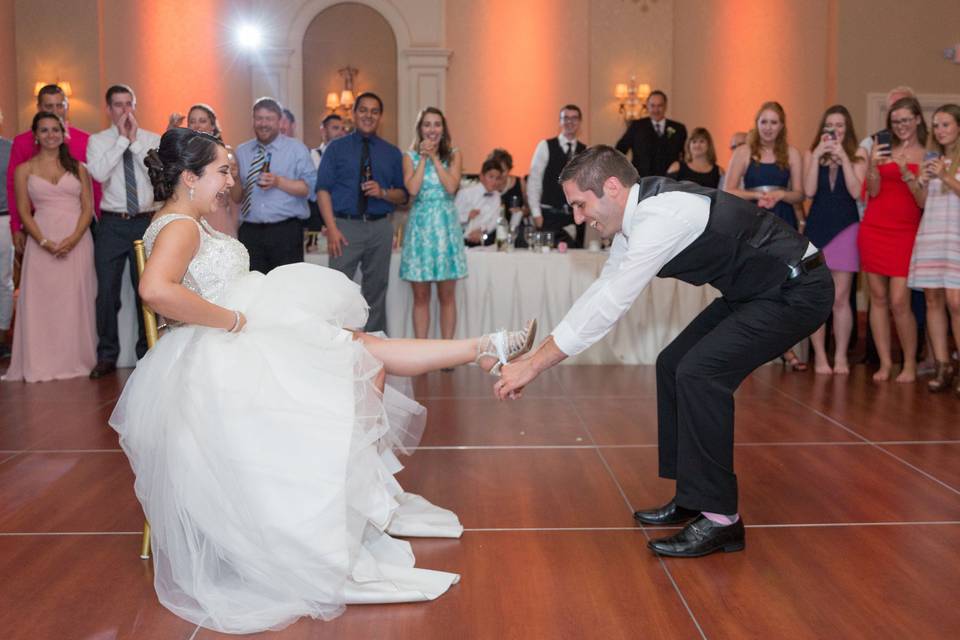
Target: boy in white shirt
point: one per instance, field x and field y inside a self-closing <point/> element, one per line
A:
<point x="479" y="206"/>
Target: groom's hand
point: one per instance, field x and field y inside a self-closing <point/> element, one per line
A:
<point x="522" y="371"/>
<point x="514" y="377"/>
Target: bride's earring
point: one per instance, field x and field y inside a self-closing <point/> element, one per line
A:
<point x="190" y="194"/>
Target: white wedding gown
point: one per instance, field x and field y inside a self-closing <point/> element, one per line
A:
<point x="264" y="460"/>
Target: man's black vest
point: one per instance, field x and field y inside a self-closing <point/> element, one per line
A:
<point x="552" y="194"/>
<point x="744" y="251"/>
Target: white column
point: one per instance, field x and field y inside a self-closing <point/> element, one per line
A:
<point x="270" y="74"/>
<point x="422" y="83"/>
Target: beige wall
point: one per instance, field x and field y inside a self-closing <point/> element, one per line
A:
<point x="625" y="40"/>
<point x="885" y="43"/>
<point x="355" y="35"/>
<point x="513" y="63"/>
<point x="8" y="69"/>
<point x="49" y="49"/>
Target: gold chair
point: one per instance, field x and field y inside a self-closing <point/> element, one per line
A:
<point x="153" y="334"/>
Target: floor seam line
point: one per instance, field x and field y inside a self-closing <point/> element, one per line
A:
<point x="909" y="465"/>
<point x="630" y="508"/>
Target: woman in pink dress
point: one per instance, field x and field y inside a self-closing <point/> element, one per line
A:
<point x="55" y="335"/>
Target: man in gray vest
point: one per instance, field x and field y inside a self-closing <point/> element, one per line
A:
<point x="775" y="290"/>
<point x="547" y="205"/>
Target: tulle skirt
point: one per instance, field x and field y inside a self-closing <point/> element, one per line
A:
<point x="264" y="461"/>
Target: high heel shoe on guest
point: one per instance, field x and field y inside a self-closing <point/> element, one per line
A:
<point x="942" y="378"/>
<point x="506" y="346"/>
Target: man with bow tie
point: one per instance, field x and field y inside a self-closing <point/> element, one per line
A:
<point x="478" y="206"/>
<point x="548" y="205"/>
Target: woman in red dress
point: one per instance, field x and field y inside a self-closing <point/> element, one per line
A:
<point x="888" y="231"/>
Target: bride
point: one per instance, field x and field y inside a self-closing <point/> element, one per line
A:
<point x="260" y="428"/>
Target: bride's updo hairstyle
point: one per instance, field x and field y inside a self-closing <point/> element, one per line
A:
<point x="180" y="150"/>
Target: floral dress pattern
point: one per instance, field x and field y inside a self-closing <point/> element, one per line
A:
<point x="433" y="244"/>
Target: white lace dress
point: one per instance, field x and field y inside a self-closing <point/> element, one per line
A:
<point x="264" y="460"/>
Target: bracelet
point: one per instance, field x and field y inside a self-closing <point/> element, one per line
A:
<point x="44" y="242"/>
<point x="236" y="322"/>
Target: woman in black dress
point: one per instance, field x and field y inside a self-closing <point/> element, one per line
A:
<point x="699" y="162"/>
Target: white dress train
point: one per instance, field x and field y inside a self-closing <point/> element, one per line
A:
<point x="264" y="460"/>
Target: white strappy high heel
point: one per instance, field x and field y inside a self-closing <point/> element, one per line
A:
<point x="506" y="346"/>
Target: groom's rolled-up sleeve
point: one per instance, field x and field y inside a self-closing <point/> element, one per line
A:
<point x="654" y="240"/>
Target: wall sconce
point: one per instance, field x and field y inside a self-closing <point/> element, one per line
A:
<point x="952" y="53"/>
<point x="342" y="104"/>
<point x="63" y="84"/>
<point x="633" y="98"/>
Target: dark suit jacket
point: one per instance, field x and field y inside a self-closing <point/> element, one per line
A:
<point x="652" y="154"/>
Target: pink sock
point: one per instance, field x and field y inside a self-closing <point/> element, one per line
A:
<point x="721" y="519"/>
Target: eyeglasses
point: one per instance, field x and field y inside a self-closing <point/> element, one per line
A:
<point x="903" y="121"/>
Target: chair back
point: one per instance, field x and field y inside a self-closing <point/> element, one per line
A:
<point x="149" y="317"/>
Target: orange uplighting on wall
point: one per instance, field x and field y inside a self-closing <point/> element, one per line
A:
<point x="516" y="64"/>
<point x="753" y="57"/>
<point x="169" y="77"/>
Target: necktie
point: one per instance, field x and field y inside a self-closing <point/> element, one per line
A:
<point x="366" y="173"/>
<point x="130" y="181"/>
<point x="571" y="149"/>
<point x="659" y="128"/>
<point x="251" y="180"/>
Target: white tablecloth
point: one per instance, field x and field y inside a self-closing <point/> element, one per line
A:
<point x="502" y="290"/>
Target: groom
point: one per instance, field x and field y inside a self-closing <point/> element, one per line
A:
<point x="775" y="290"/>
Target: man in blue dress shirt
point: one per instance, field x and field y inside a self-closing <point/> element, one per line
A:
<point x="272" y="184"/>
<point x="359" y="184"/>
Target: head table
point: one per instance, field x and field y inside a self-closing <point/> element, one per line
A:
<point x="503" y="289"/>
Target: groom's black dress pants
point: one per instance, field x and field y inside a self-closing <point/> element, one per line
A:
<point x="698" y="372"/>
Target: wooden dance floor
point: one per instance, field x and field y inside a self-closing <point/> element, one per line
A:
<point x="850" y="492"/>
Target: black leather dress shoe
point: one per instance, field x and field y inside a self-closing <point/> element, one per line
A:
<point x="670" y="513"/>
<point x="103" y="368"/>
<point x="701" y="537"/>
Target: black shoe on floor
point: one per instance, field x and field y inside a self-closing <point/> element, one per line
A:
<point x="701" y="537"/>
<point x="103" y="368"/>
<point x="670" y="513"/>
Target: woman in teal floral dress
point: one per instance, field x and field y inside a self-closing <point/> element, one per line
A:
<point x="433" y="244"/>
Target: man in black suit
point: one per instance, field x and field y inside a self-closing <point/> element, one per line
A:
<point x="654" y="142"/>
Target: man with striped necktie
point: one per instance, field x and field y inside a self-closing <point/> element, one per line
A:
<point x="115" y="159"/>
<point x="271" y="186"/>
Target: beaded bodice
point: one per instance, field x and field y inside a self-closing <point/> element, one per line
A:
<point x="219" y="261"/>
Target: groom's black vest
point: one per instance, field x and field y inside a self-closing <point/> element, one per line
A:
<point x="744" y="251"/>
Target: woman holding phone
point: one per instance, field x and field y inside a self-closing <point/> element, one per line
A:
<point x="833" y="172"/>
<point x="935" y="265"/>
<point x="889" y="229"/>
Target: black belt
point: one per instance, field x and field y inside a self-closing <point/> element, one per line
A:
<point x="4" y="213"/>
<point x="361" y="217"/>
<point x="806" y="265"/>
<point x="123" y="215"/>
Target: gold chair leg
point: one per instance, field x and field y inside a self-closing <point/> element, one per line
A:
<point x="145" y="546"/>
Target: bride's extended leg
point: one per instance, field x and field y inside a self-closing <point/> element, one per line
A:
<point x="406" y="357"/>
